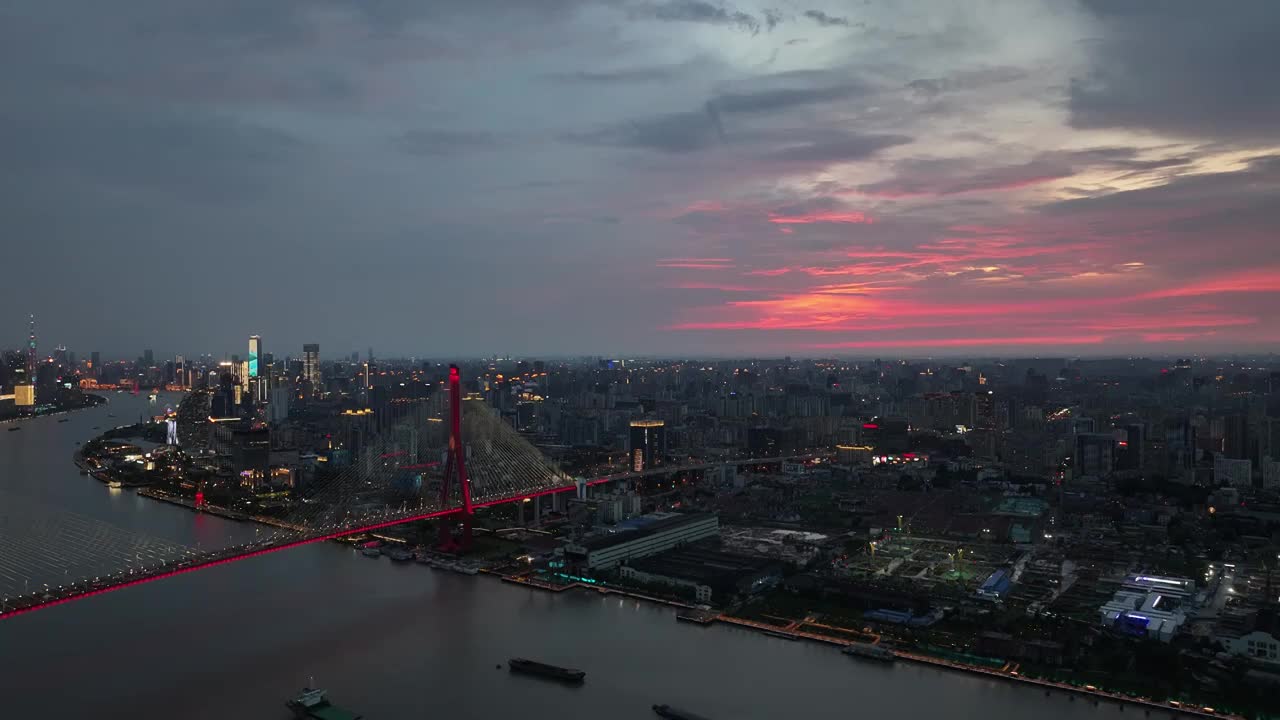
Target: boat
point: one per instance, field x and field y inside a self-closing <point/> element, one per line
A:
<point x="870" y="652"/>
<point x="372" y="552"/>
<point x="422" y="558"/>
<point x="314" y="703"/>
<point x="399" y="555"/>
<point x="466" y="568"/>
<point x="780" y="634"/>
<point x="555" y="672"/>
<point x="15" y="428"/>
<point x="701" y="617"/>
<point x="64" y="419"/>
<point x="673" y="713"/>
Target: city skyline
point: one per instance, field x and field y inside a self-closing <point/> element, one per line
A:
<point x="657" y="177"/>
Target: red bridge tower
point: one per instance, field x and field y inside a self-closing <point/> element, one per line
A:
<point x="455" y="469"/>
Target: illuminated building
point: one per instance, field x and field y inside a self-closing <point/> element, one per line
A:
<point x="311" y="365"/>
<point x="854" y="454"/>
<point x="647" y="443"/>
<point x="1150" y="606"/>
<point x="255" y="354"/>
<point x="24" y="395"/>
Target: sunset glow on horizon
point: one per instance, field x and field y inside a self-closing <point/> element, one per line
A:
<point x="655" y="177"/>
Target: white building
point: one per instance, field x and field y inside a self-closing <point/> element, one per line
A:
<point x="1258" y="646"/>
<point x="1234" y="472"/>
<point x="1149" y="605"/>
<point x="700" y="591"/>
<point x="1270" y="473"/>
<point x="665" y="532"/>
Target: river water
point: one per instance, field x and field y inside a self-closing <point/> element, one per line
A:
<point x="404" y="641"/>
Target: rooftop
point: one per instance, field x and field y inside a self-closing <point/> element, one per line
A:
<point x="673" y="520"/>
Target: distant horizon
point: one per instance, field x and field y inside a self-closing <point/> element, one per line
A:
<point x="162" y="356"/>
<point x="672" y="177"/>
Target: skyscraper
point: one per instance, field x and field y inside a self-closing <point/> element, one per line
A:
<point x="255" y="352"/>
<point x="311" y="365"/>
<point x="1095" y="454"/>
<point x="31" y="351"/>
<point x="148" y="358"/>
<point x="648" y="443"/>
<point x="25" y="392"/>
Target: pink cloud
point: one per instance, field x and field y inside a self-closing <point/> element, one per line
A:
<point x="1042" y="340"/>
<point x="844" y="218"/>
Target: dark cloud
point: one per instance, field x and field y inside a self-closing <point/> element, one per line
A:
<point x="773" y="100"/>
<point x="966" y="80"/>
<point x="950" y="176"/>
<point x="826" y="20"/>
<point x="691" y="131"/>
<point x="672" y="133"/>
<point x="697" y="11"/>
<point x="1184" y="67"/>
<point x="446" y="142"/>
<point x="656" y="73"/>
<point x="195" y="156"/>
<point x="835" y="148"/>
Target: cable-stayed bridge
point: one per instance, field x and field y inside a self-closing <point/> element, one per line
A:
<point x="51" y="561"/>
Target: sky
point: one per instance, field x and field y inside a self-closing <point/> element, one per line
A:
<point x="641" y="177"/>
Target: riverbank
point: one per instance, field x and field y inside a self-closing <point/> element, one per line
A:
<point x="211" y="509"/>
<point x="95" y="402"/>
<point x="791" y="632"/>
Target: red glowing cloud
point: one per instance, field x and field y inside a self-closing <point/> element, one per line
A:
<point x="1113" y="272"/>
<point x="1041" y="340"/>
<point x="842" y="218"/>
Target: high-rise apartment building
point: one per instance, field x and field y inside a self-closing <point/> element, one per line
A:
<point x="311" y="365"/>
<point x="1095" y="454"/>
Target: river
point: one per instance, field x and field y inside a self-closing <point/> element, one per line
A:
<point x="404" y="641"/>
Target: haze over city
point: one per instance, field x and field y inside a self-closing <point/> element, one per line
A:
<point x="660" y="177"/>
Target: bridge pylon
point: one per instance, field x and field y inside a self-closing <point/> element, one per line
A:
<point x="455" y="469"/>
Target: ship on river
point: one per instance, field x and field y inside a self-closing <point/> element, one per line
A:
<point x="674" y="713"/>
<point x="554" y="672"/>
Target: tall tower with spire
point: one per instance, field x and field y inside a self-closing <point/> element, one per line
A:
<point x="25" y="393"/>
<point x="31" y="349"/>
